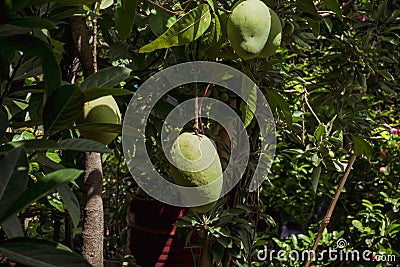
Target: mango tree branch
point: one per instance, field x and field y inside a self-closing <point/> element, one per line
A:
<point x="329" y="212"/>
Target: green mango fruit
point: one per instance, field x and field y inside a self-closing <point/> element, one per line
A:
<point x="101" y="110"/>
<point x="248" y="28"/>
<point x="274" y="38"/>
<point x="196" y="163"/>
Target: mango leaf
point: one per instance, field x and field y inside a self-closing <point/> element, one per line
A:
<point x="107" y="78"/>
<point x="84" y="145"/>
<point x="319" y="132"/>
<point x="279" y="105"/>
<point x="307" y="6"/>
<point x="71" y="202"/>
<point x="35" y="47"/>
<point x="12" y="227"/>
<point x="362" y="147"/>
<point x="248" y="106"/>
<point x="315" y="177"/>
<point x="62" y="108"/>
<point x="74" y="144"/>
<point x="42" y="187"/>
<point x="13" y="177"/>
<point x="160" y="20"/>
<point x="185" y="30"/>
<point x="93" y="93"/>
<point x="106" y="4"/>
<point x="100" y="127"/>
<point x="3" y="123"/>
<point x="19" y="4"/>
<point x="41" y="253"/>
<point x="125" y="17"/>
<point x="335" y="7"/>
<point x="32" y="22"/>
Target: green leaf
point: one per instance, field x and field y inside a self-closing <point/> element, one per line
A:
<point x="42" y="187"/>
<point x="13" y="177"/>
<point x="3" y="123"/>
<point x="307" y="6"/>
<point x="106" y="3"/>
<point x="12" y="227"/>
<point x="357" y="224"/>
<point x="62" y="108"/>
<point x="107" y="78"/>
<point x="99" y="127"/>
<point x="125" y="17"/>
<point x="248" y="109"/>
<point x="19" y="4"/>
<point x="315" y="177"/>
<point x="75" y="144"/>
<point x="362" y="147"/>
<point x="35" y="47"/>
<point x="84" y="145"/>
<point x="185" y="30"/>
<point x="320" y="132"/>
<point x="41" y="253"/>
<point x="160" y="21"/>
<point x="279" y="105"/>
<point x="93" y="93"/>
<point x="335" y="7"/>
<point x="32" y="22"/>
<point x="71" y="202"/>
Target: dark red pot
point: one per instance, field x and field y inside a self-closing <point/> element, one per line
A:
<point x="152" y="237"/>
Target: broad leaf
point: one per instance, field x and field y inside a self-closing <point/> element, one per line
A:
<point x="71" y="202"/>
<point x="106" y="3"/>
<point x="62" y="108"/>
<point x="84" y="145"/>
<point x="307" y="6"/>
<point x="279" y="105"/>
<point x="34" y="47"/>
<point x="93" y="93"/>
<point x="107" y="78"/>
<point x="41" y="188"/>
<point x="160" y="20"/>
<point x="248" y="107"/>
<point x="125" y="17"/>
<point x="319" y="132"/>
<point x="13" y="177"/>
<point x="12" y="227"/>
<point x="100" y="127"/>
<point x="334" y="6"/>
<point x="32" y="22"/>
<point x="19" y="4"/>
<point x="41" y="253"/>
<point x="3" y="123"/>
<point x="185" y="30"/>
<point x="362" y="147"/>
<point x="315" y="177"/>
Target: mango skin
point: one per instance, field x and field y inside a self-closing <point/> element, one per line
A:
<point x="274" y="38"/>
<point x="101" y="110"/>
<point x="206" y="166"/>
<point x="248" y="28"/>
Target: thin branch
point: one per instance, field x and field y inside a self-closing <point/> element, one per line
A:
<point x="309" y="106"/>
<point x="163" y="8"/>
<point x="329" y="212"/>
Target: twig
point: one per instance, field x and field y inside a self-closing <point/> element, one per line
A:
<point x="329" y="212"/>
<point x="163" y="8"/>
<point x="309" y="106"/>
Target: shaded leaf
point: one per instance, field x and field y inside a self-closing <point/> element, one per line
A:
<point x="32" y="22"/>
<point x="160" y="20"/>
<point x="335" y="7"/>
<point x="315" y="177"/>
<point x="71" y="202"/>
<point x="35" y="47"/>
<point x="62" y="108"/>
<point x="84" y="145"/>
<point x="279" y="105"/>
<point x="13" y="177"/>
<point x="107" y="78"/>
<point x="99" y="127"/>
<point x="307" y="6"/>
<point x="41" y="253"/>
<point x="3" y="123"/>
<point x="362" y="147"/>
<point x="12" y="227"/>
<point x="93" y="93"/>
<point x="185" y="30"/>
<point x="125" y="17"/>
<point x="42" y="187"/>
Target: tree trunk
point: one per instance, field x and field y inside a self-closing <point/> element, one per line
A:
<point x="93" y="221"/>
